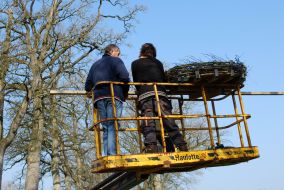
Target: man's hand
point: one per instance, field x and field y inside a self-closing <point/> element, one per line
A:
<point x="89" y="94"/>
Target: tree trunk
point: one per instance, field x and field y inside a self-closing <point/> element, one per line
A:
<point x="5" y="142"/>
<point x="55" y="146"/>
<point x="4" y="62"/>
<point x="55" y="162"/>
<point x="1" y="111"/>
<point x="1" y="133"/>
<point x="33" y="160"/>
<point x="157" y="182"/>
<point x="79" y="167"/>
<point x="2" y="150"/>
<point x="67" y="181"/>
<point x="79" y="170"/>
<point x="66" y="170"/>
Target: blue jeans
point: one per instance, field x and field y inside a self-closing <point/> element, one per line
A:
<point x="105" y="111"/>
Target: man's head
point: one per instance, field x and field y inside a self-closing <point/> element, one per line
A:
<point x="148" y="50"/>
<point x="112" y="50"/>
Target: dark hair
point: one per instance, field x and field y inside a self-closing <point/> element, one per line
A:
<point x="148" y="50"/>
<point x="111" y="47"/>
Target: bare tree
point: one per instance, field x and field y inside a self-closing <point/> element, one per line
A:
<point x="52" y="37"/>
<point x="8" y="54"/>
<point x="76" y="150"/>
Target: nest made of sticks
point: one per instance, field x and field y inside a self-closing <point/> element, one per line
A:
<point x="210" y="74"/>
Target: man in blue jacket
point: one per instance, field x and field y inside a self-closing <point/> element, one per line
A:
<point x="109" y="68"/>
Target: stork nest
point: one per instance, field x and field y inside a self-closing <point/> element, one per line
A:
<point x="217" y="76"/>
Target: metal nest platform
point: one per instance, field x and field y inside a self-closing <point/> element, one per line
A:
<point x="218" y="77"/>
<point x="175" y="161"/>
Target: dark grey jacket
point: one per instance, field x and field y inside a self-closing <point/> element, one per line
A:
<point x="148" y="70"/>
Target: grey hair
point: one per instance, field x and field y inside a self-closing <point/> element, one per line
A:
<point x="110" y="48"/>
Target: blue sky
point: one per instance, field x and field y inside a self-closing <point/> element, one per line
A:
<point x="253" y="30"/>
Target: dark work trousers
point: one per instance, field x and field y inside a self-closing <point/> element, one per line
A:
<point x="148" y="107"/>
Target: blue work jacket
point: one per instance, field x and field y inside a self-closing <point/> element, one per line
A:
<point x="108" y="68"/>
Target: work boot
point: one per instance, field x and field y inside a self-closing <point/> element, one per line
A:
<point x="219" y="146"/>
<point x="183" y="148"/>
<point x="151" y="148"/>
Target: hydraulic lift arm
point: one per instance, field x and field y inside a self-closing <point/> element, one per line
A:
<point x="121" y="181"/>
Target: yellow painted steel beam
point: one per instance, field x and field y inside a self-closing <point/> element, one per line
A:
<point x="138" y="127"/>
<point x="185" y="129"/>
<point x="178" y="161"/>
<point x="160" y="118"/>
<point x="83" y="92"/>
<point x="216" y="122"/>
<point x="238" y="121"/>
<point x="115" y="118"/>
<point x="245" y="119"/>
<point x="174" y="117"/>
<point x="207" y="117"/>
<point x="180" y="103"/>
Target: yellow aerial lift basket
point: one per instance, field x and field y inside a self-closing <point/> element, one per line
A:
<point x="215" y="155"/>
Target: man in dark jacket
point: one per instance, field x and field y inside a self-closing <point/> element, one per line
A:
<point x="149" y="69"/>
<point x="109" y="68"/>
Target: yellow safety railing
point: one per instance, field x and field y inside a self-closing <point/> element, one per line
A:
<point x="239" y="117"/>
